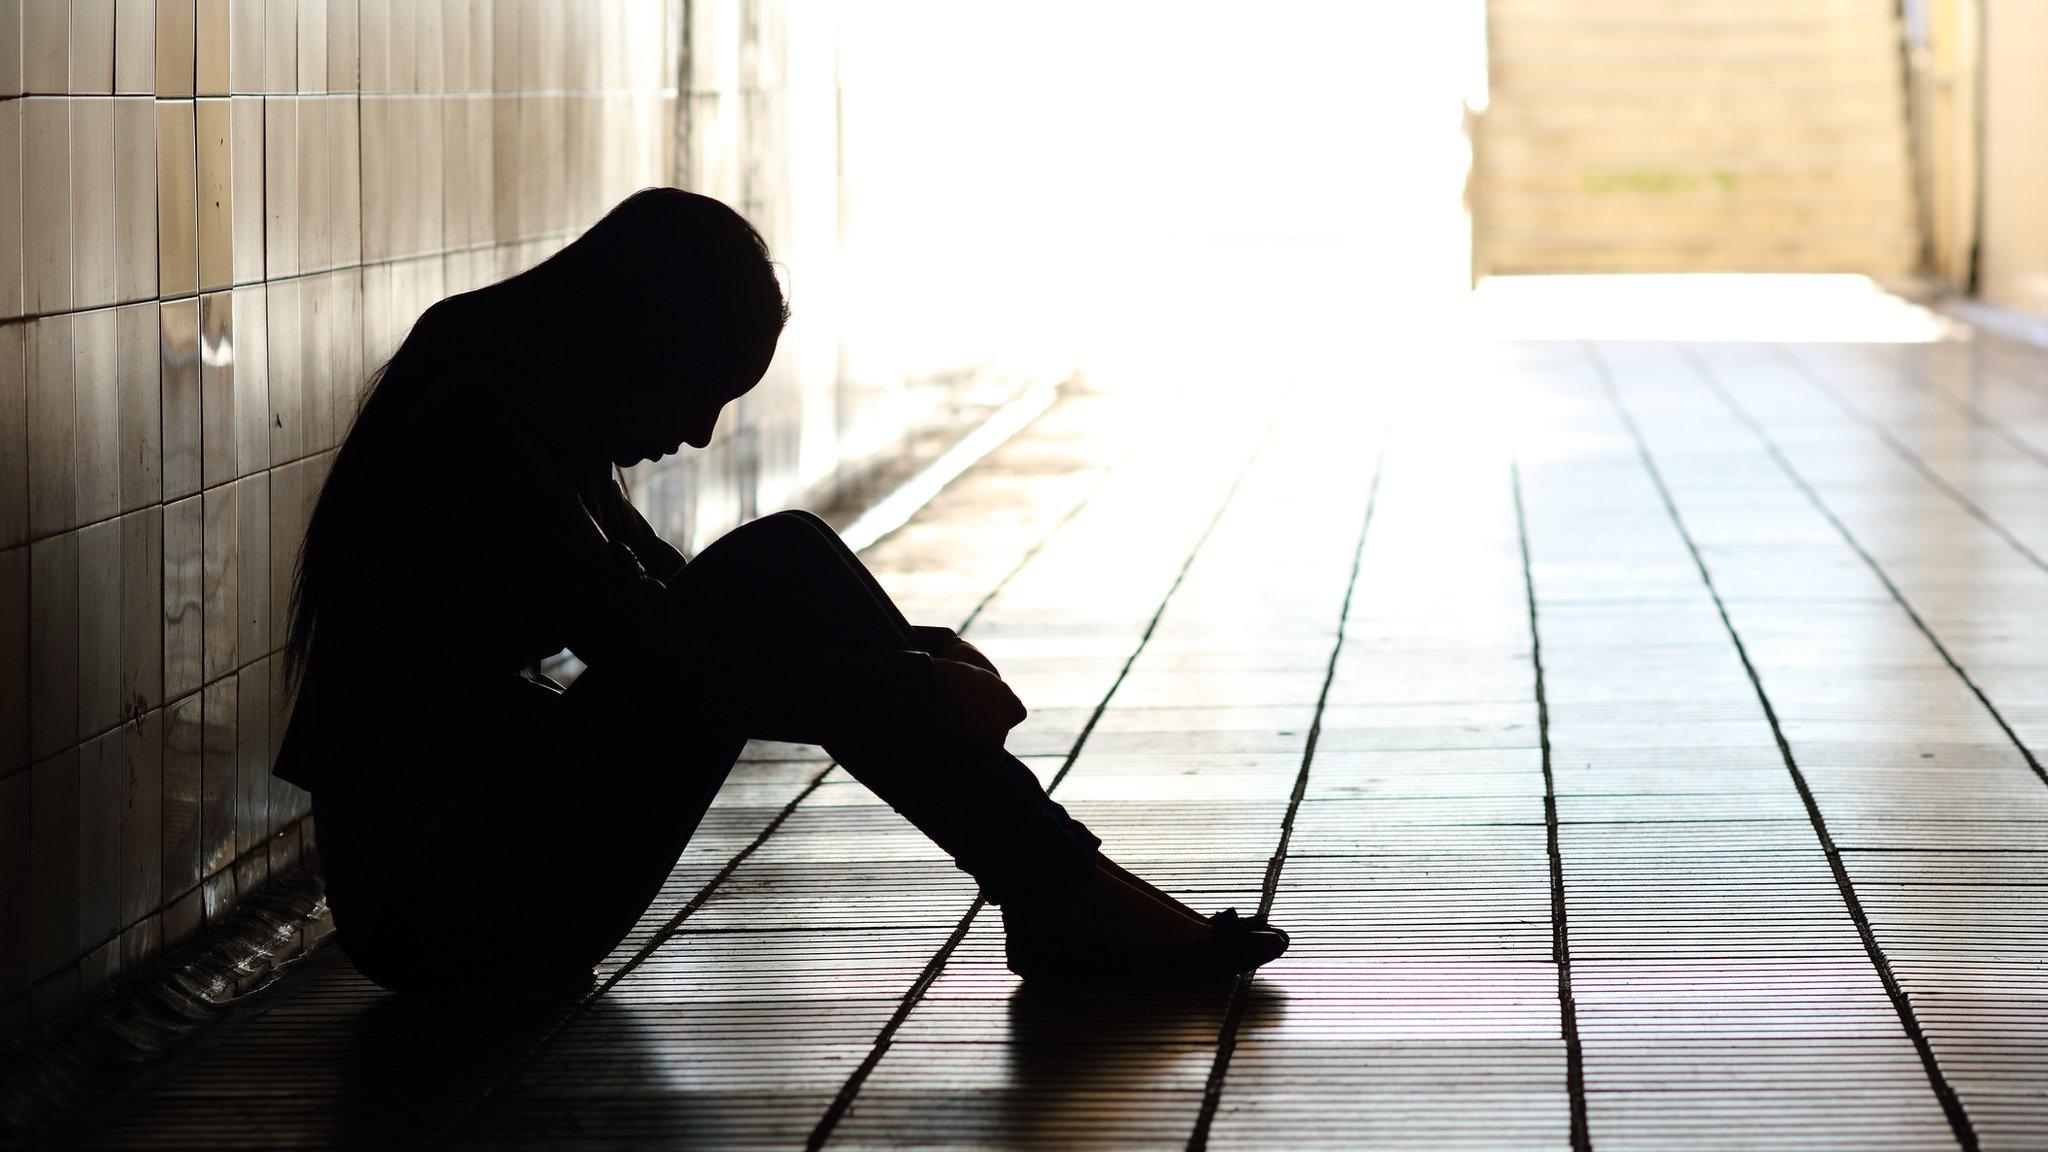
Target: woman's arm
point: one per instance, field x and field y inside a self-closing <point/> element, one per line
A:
<point x="623" y="522"/>
<point x="614" y="610"/>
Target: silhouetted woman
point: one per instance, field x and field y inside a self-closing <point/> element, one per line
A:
<point x="482" y="829"/>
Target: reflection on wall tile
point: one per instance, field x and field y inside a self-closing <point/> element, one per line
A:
<point x="287" y="498"/>
<point x="99" y="627"/>
<point x="373" y="19"/>
<point x="139" y="369"/>
<point x="457" y="181"/>
<point x="280" y="46"/>
<point x="427" y="47"/>
<point x="182" y="917"/>
<point x="92" y="202"/>
<point x="16" y="836"/>
<point x="252" y="761"/>
<point x="13" y="434"/>
<point x="176" y="32"/>
<point x="431" y="162"/>
<point x="217" y="777"/>
<point x="217" y="445"/>
<point x="251" y="379"/>
<point x="14" y="643"/>
<point x="342" y="48"/>
<point x="402" y="162"/>
<point x="183" y="741"/>
<point x="315" y="186"/>
<point x="252" y="553"/>
<point x="505" y="166"/>
<point x="135" y="47"/>
<point x="135" y="238"/>
<point x="46" y="46"/>
<point x="53" y="861"/>
<point x="177" y="192"/>
<point x="178" y="358"/>
<point x="215" y="184"/>
<point x="245" y="46"/>
<point x="344" y="169"/>
<point x="98" y="968"/>
<point x="219" y="890"/>
<point x="245" y="157"/>
<point x="142" y="817"/>
<point x="221" y="581"/>
<point x="52" y="644"/>
<point x="142" y="611"/>
<point x="348" y="373"/>
<point x="402" y="46"/>
<point x="211" y="48"/>
<point x="287" y="435"/>
<point x="10" y="206"/>
<point x="280" y="187"/>
<point x="378" y="178"/>
<point x="55" y="994"/>
<point x="46" y="204"/>
<point x="140" y="943"/>
<point x="183" y="624"/>
<point x="280" y="719"/>
<point x="312" y="46"/>
<point x="316" y="363"/>
<point x="92" y="47"/>
<point x="96" y="404"/>
<point x="47" y="365"/>
<point x="99" y="839"/>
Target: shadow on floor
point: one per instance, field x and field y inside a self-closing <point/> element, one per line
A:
<point x="410" y="1068"/>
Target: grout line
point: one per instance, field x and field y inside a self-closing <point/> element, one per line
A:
<point x="1918" y="378"/>
<point x="668" y="930"/>
<point x="1944" y="1093"/>
<point x="1560" y="929"/>
<point x="1032" y="552"/>
<point x="842" y="1102"/>
<point x="1784" y="463"/>
<point x="1905" y="452"/>
<point x="1240" y="990"/>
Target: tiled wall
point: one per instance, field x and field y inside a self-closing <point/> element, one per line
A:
<point x="215" y="217"/>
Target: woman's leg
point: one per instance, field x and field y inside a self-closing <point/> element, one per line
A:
<point x="787" y="579"/>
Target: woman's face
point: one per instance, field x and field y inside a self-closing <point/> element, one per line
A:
<point x="647" y="423"/>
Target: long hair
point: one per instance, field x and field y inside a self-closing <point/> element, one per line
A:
<point x="663" y="261"/>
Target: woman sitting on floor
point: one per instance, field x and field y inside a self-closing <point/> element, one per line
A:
<point x="483" y="830"/>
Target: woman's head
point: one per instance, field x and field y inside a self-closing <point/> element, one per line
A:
<point x="624" y="345"/>
<point x="669" y="310"/>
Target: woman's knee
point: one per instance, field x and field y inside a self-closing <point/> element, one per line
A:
<point x="789" y="572"/>
<point x="778" y="539"/>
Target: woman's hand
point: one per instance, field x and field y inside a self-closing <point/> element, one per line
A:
<point x="974" y="701"/>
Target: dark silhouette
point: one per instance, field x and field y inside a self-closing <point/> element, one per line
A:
<point x="485" y="831"/>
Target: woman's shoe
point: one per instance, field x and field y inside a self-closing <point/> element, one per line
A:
<point x="1238" y="945"/>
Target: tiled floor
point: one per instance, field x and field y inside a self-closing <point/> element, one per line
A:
<point x="1639" y="740"/>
